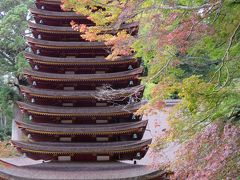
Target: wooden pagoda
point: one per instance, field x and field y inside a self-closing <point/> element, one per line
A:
<point x="61" y="118"/>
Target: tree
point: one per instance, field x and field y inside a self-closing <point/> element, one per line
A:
<point x="177" y="39"/>
<point x="212" y="154"/>
<point x="190" y="50"/>
<point x="13" y="25"/>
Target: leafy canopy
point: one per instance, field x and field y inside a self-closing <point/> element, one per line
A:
<point x="13" y="25"/>
<point x="190" y="50"/>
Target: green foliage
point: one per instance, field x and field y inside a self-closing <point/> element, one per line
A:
<point x="201" y="104"/>
<point x="205" y="80"/>
<point x="13" y="25"/>
<point x="5" y="133"/>
<point x="188" y="51"/>
<point x="7" y="97"/>
<point x="148" y="91"/>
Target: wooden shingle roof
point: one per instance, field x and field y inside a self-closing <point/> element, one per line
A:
<point x="65" y="45"/>
<point x="83" y="77"/>
<point x="77" y="61"/>
<point x="69" y="30"/>
<point x="80" y="111"/>
<point x="96" y="129"/>
<point x="82" y="148"/>
<point x="54" y="14"/>
<point x="62" y="94"/>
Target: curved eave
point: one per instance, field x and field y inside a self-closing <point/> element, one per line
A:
<point x="76" y="111"/>
<point x="52" y="29"/>
<point x="69" y="30"/>
<point x="107" y="129"/>
<point x="65" y="45"/>
<point x="61" y="94"/>
<point x="83" y="148"/>
<point x="76" y="61"/>
<point x="124" y="75"/>
<point x="55" y="15"/>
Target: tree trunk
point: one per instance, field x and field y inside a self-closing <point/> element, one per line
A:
<point x="3" y="121"/>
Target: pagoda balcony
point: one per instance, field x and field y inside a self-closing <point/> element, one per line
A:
<point x="84" y="69"/>
<point x="75" y="119"/>
<point x="57" y="2"/>
<point x="83" y="81"/>
<point x="50" y="5"/>
<point x="104" y="151"/>
<point x="81" y="65"/>
<point x="56" y="18"/>
<point x="79" y="98"/>
<point x="83" y="133"/>
<point x="79" y="53"/>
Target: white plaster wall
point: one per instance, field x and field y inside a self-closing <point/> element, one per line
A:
<point x="17" y="134"/>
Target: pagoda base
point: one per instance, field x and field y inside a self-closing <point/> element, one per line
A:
<point x="24" y="168"/>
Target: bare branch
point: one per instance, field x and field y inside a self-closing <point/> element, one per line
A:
<point x="188" y="8"/>
<point x="225" y="56"/>
<point x="107" y="93"/>
<point x="161" y="70"/>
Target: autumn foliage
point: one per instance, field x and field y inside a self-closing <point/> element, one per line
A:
<point x="212" y="154"/>
<point x="107" y="25"/>
<point x="190" y="51"/>
<point x="7" y="150"/>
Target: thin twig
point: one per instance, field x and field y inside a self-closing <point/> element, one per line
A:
<point x="225" y="56"/>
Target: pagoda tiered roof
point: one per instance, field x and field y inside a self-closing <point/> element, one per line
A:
<point x="52" y="29"/>
<point x="64" y="116"/>
<point x="80" y="111"/>
<point x="83" y="77"/>
<point x="65" y="44"/>
<point x="15" y="169"/>
<point x="54" y="14"/>
<point x="66" y="129"/>
<point x="62" y="94"/>
<point x="77" y="61"/>
<point x="83" y="148"/>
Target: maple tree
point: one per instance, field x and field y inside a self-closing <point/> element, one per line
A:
<point x="212" y="154"/>
<point x="190" y="50"/>
<point x="111" y="15"/>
